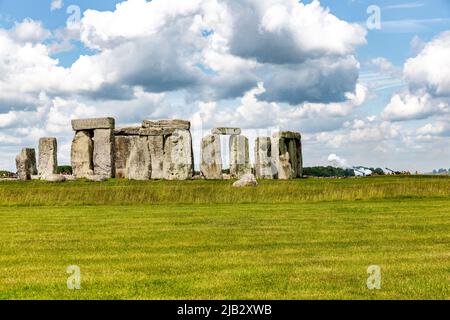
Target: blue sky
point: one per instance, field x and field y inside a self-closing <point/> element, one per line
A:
<point x="353" y="94"/>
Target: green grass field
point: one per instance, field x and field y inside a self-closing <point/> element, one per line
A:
<point x="303" y="239"/>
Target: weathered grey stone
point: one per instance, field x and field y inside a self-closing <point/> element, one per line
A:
<point x="167" y="124"/>
<point x="239" y="157"/>
<point x="96" y="178"/>
<point x="156" y="144"/>
<point x="123" y="145"/>
<point x="104" y="152"/>
<point x="127" y="131"/>
<point x="92" y="124"/>
<point x="288" y="135"/>
<point x="152" y="131"/>
<point x="178" y="156"/>
<point x="299" y="159"/>
<point x="287" y="155"/>
<point x="139" y="164"/>
<point x="247" y="180"/>
<point x="280" y="159"/>
<point x="263" y="158"/>
<point x="70" y="177"/>
<point x="82" y="154"/>
<point x="24" y="164"/>
<point x="211" y="159"/>
<point x="48" y="158"/>
<point x="56" y="178"/>
<point x="227" y="131"/>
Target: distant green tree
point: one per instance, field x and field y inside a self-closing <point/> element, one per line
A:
<point x="327" y="172"/>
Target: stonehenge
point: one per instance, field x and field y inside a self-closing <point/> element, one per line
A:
<point x="162" y="149"/>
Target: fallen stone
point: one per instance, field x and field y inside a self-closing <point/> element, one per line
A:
<point x="54" y="178"/>
<point x="167" y="124"/>
<point x="239" y="157"/>
<point x="178" y="156"/>
<point x="123" y="145"/>
<point x="263" y="158"/>
<point x="139" y="164"/>
<point x="70" y="177"/>
<point x="96" y="178"/>
<point x="127" y="131"/>
<point x="104" y="152"/>
<point x="92" y="124"/>
<point x="48" y="158"/>
<point x="156" y="145"/>
<point x="82" y="154"/>
<point x="248" y="180"/>
<point x="211" y="159"/>
<point x="226" y="131"/>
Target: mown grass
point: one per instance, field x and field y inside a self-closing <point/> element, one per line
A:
<point x="123" y="192"/>
<point x="301" y="246"/>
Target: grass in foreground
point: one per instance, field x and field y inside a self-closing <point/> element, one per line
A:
<point x="124" y="192"/>
<point x="288" y="250"/>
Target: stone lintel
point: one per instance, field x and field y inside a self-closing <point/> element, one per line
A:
<point x="227" y="131"/>
<point x="92" y="124"/>
<point x="152" y="131"/>
<point x="288" y="135"/>
<point x="127" y="131"/>
<point x="167" y="124"/>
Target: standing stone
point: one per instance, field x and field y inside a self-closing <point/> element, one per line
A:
<point x="178" y="156"/>
<point x="26" y="163"/>
<point x="239" y="157"/>
<point x="48" y="159"/>
<point x="211" y="159"/>
<point x="292" y="149"/>
<point x="287" y="155"/>
<point x="104" y="152"/>
<point x="81" y="154"/>
<point x="123" y="145"/>
<point x="299" y="158"/>
<point x="139" y="164"/>
<point x="156" y="145"/>
<point x="263" y="158"/>
<point x="280" y="158"/>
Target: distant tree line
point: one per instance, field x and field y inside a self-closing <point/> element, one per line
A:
<point x="327" y="172"/>
<point x="441" y="171"/>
